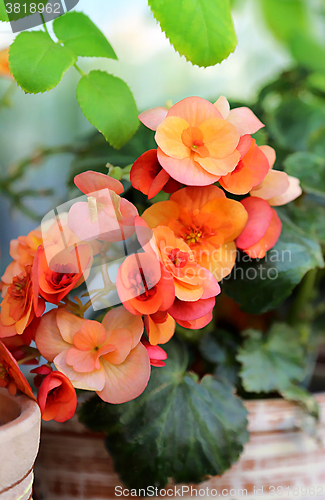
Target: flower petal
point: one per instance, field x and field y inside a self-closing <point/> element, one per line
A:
<point x="92" y="381"/>
<point x="293" y="192"/>
<point x="268" y="241"/>
<point x="259" y="218"/>
<point x="160" y="333"/>
<point x="48" y="337"/>
<point x="169" y="137"/>
<point x="223" y="106"/>
<point x="153" y="117"/>
<point x="245" y="121"/>
<point x="194" y="110"/>
<point x="119" y="317"/>
<point x="219" y="167"/>
<point x="274" y="184"/>
<point x="90" y="181"/>
<point x="220" y="137"/>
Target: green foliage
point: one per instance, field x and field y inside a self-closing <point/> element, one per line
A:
<point x="37" y="63"/>
<point x="260" y="285"/>
<point x="77" y="32"/>
<point x="285" y="18"/>
<point x="178" y="428"/>
<point x="201" y="30"/>
<point x="271" y="363"/>
<point x="107" y="102"/>
<point x="310" y="169"/>
<point x="219" y="348"/>
<point x="309" y="216"/>
<point x="299" y="395"/>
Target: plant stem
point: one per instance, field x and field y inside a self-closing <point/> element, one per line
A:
<point x="303" y="298"/>
<point x="79" y="70"/>
<point x="44" y="24"/>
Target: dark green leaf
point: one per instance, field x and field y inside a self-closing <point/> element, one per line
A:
<point x="273" y="362"/>
<point x="310" y="169"/>
<point x="220" y="348"/>
<point x="309" y="216"/>
<point x="260" y="285"/>
<point x="177" y="428"/>
<point x="201" y="30"/>
<point x="77" y="32"/>
<point x="37" y="63"/>
<point x="107" y="102"/>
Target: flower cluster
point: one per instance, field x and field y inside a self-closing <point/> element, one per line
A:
<point x="185" y="246"/>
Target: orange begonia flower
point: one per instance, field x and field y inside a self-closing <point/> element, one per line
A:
<point x="57" y="398"/>
<point x="106" y="357"/>
<point x="148" y="176"/>
<point x="160" y="327"/>
<point x="19" y="306"/>
<point x="195" y="144"/>
<point x="250" y="171"/>
<point x="143" y="285"/>
<point x="262" y="230"/>
<point x="208" y="223"/>
<point x="10" y="375"/>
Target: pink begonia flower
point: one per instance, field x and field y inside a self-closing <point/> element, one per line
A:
<point x="277" y="188"/>
<point x="105" y="216"/>
<point x="106" y="357"/>
<point x="191" y="311"/>
<point x="195" y="144"/>
<point x="262" y="230"/>
<point x="156" y="354"/>
<point x="242" y="118"/>
<point x="196" y="324"/>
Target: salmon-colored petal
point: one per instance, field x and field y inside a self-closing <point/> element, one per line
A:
<point x="268" y="241"/>
<point x="223" y="106"/>
<point x="119" y="317"/>
<point x="144" y="170"/>
<point x="228" y="210"/>
<point x="153" y="117"/>
<point x="220" y="137"/>
<point x="196" y="324"/>
<point x="274" y="184"/>
<point x="244" y="145"/>
<point x="245" y="121"/>
<point x="269" y="153"/>
<point x="194" y="110"/>
<point x="122" y="339"/>
<point x="221" y="262"/>
<point x="188" y="311"/>
<point x="193" y="198"/>
<point x="186" y="171"/>
<point x="161" y="213"/>
<point x="210" y="285"/>
<point x="160" y="333"/>
<point x="91" y="334"/>
<point x="92" y="381"/>
<point x="158" y="183"/>
<point x="221" y="166"/>
<point x="259" y="218"/>
<point x="293" y="192"/>
<point x="169" y="137"/>
<point x="185" y="291"/>
<point x="128" y="380"/>
<point x="90" y="182"/>
<point x="68" y="324"/>
<point x="48" y="337"/>
<point x="237" y="182"/>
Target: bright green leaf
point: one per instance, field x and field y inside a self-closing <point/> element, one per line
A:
<point x="260" y="285"/>
<point x="107" y="102"/>
<point x="272" y="362"/>
<point x="77" y="32"/>
<point x="201" y="30"/>
<point x="177" y="428"/>
<point x="37" y="63"/>
<point x="3" y="12"/>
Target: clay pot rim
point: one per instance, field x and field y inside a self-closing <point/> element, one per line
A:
<point x="28" y="408"/>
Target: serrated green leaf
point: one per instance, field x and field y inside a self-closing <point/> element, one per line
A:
<point x="201" y="30"/>
<point x="177" y="428"/>
<point x="37" y="63"/>
<point x="310" y="169"/>
<point x="3" y="12"/>
<point x="107" y="102"/>
<point x="302" y="397"/>
<point x="77" y="32"/>
<point x="260" y="285"/>
<point x="271" y="363"/>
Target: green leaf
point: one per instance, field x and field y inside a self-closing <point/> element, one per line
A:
<point x="285" y="18"/>
<point x="310" y="169"/>
<point x="220" y="348"/>
<point x="299" y="395"/>
<point x="77" y="32"/>
<point x="177" y="428"/>
<point x="201" y="30"/>
<point x="260" y="285"/>
<point x="37" y="63"/>
<point x="3" y="12"/>
<point x="271" y="363"/>
<point x="107" y="102"/>
<point x="308" y="52"/>
<point x="309" y="216"/>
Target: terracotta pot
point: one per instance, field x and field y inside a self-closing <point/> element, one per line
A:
<point x="73" y="463"/>
<point x="20" y="421"/>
